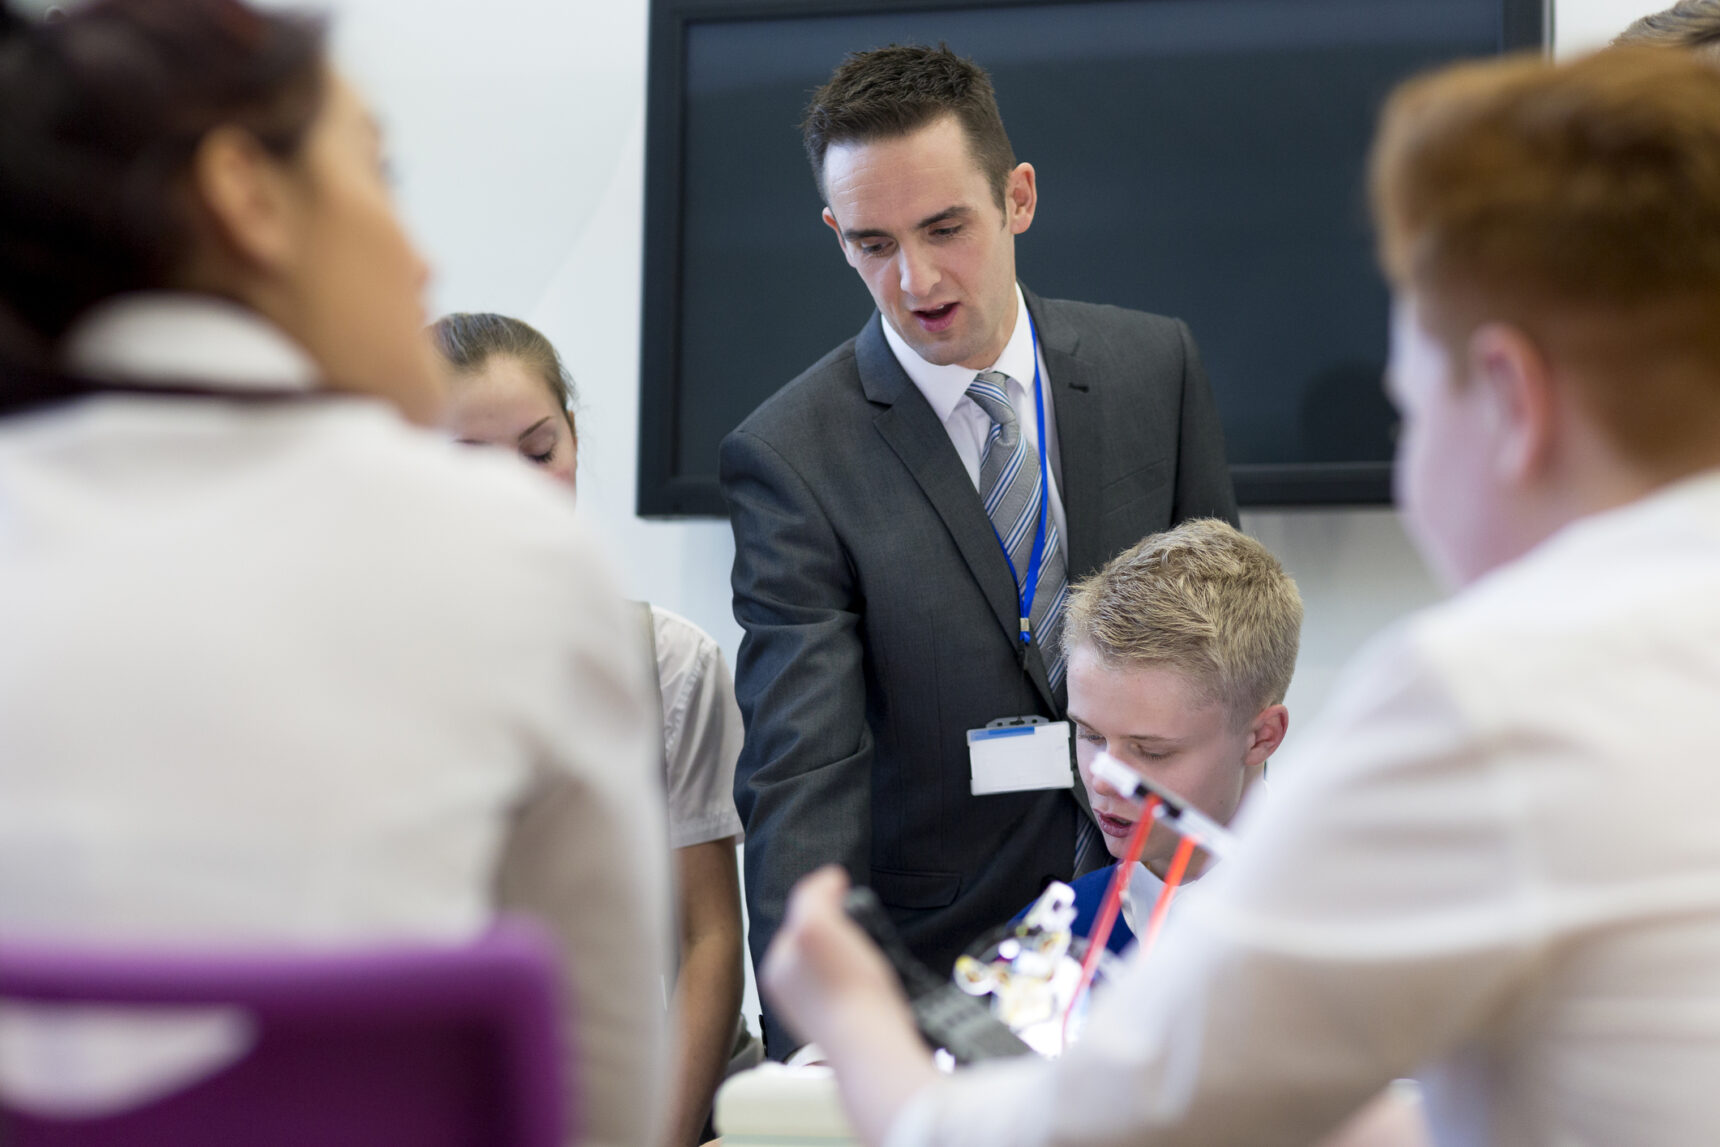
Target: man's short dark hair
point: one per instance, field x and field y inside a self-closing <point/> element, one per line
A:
<point x="891" y="92"/>
<point x="1693" y="25"/>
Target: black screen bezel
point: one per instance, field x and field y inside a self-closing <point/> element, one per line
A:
<point x="662" y="491"/>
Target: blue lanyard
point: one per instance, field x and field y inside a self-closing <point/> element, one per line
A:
<point x="1031" y="585"/>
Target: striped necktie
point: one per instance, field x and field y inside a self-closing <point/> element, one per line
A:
<point x="1011" y="483"/>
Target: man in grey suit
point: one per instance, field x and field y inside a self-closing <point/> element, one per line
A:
<point x="909" y="512"/>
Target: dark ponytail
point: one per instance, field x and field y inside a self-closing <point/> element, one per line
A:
<point x="101" y="111"/>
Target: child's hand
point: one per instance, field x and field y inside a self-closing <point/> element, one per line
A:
<point x="835" y="988"/>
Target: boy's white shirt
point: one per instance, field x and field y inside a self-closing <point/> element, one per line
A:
<point x="1144" y="890"/>
<point x="1144" y="887"/>
<point x="1492" y="859"/>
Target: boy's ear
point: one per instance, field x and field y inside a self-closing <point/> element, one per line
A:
<point x="1512" y="376"/>
<point x="1265" y="734"/>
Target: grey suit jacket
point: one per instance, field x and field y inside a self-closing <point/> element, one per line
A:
<point x="881" y="615"/>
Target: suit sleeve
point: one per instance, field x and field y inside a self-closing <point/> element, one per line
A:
<point x="803" y="781"/>
<point x="1203" y="487"/>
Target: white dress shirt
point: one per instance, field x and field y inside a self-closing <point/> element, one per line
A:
<point x="701" y="732"/>
<point x="968" y="426"/>
<point x="296" y="673"/>
<point x="1493" y="863"/>
<point x="1143" y="896"/>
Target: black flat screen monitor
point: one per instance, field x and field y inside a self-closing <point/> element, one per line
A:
<point x="1197" y="158"/>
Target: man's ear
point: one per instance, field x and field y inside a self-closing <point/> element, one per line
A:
<point x="246" y="197"/>
<point x="1512" y="379"/>
<point x="1265" y="734"/>
<point x="836" y="228"/>
<point x="1020" y="198"/>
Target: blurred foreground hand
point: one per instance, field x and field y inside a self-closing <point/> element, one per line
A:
<point x="835" y="988"/>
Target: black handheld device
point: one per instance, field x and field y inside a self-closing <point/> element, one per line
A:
<point x="947" y="1016"/>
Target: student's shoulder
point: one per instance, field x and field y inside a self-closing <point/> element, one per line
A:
<point x="682" y="643"/>
<point x="1545" y="629"/>
<point x="673" y="629"/>
<point x="1571" y="618"/>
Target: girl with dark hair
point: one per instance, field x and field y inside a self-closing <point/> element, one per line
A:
<point x="508" y="388"/>
<point x="277" y="666"/>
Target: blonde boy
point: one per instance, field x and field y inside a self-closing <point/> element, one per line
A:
<point x="1180" y="651"/>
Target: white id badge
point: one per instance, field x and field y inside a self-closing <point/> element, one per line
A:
<point x="1013" y="758"/>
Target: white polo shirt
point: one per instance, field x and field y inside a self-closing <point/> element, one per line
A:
<point x="295" y="672"/>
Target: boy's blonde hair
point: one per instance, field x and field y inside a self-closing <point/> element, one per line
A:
<point x="1203" y="599"/>
<point x="1692" y="25"/>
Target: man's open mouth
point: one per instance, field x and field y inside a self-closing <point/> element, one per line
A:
<point x="936" y="318"/>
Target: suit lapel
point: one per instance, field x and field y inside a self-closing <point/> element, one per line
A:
<point x="1079" y="434"/>
<point x="913" y="431"/>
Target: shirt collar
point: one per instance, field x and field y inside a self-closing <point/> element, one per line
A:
<point x="177" y="337"/>
<point x="1143" y="894"/>
<point x="946" y="386"/>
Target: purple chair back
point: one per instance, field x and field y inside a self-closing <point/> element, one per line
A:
<point x="408" y="1046"/>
